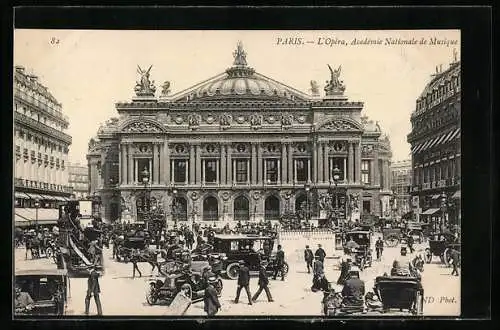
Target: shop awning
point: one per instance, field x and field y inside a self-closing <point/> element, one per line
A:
<point x="435" y="196"/>
<point x="18" y="194"/>
<point x="67" y="199"/>
<point x="59" y="198"/>
<point x="457" y="194"/>
<point x="429" y="211"/>
<point x="47" y="197"/>
<point x="34" y="196"/>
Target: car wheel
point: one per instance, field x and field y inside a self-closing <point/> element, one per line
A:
<point x="285" y="268"/>
<point x="232" y="271"/>
<point x="218" y="287"/>
<point x="428" y="256"/>
<point x="150" y="294"/>
<point x="49" y="252"/>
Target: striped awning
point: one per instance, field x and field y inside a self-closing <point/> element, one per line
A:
<point x="435" y="196"/>
<point x="35" y="196"/>
<point x="429" y="211"/>
<point x="47" y="197"/>
<point x="452" y="135"/>
<point x="59" y="198"/>
<point x="18" y="194"/>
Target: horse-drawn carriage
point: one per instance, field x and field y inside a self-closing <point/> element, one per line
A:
<point x="440" y="245"/>
<point x="362" y="251"/>
<point x="399" y="292"/>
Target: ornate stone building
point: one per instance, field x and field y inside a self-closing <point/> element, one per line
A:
<point x="79" y="180"/>
<point x="435" y="146"/>
<point x="238" y="146"/>
<point x="401" y="186"/>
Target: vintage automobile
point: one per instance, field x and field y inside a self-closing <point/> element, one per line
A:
<point x="440" y="245"/>
<point x="417" y="231"/>
<point x="362" y="254"/>
<point x="124" y="251"/>
<point x="252" y="249"/>
<point x="164" y="291"/>
<point x="49" y="290"/>
<point x="401" y="293"/>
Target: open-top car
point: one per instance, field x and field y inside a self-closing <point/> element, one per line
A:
<point x="362" y="253"/>
<point x="252" y="249"/>
<point x="400" y="293"/>
<point x="48" y="289"/>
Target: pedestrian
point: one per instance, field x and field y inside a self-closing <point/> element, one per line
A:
<point x="93" y="289"/>
<point x="243" y="282"/>
<point x="279" y="264"/>
<point x="308" y="258"/>
<point x="410" y="241"/>
<point x="320" y="253"/>
<point x="455" y="261"/>
<point x="379" y="247"/>
<point x="27" y="244"/>
<point x="263" y="284"/>
<point x="134" y="259"/>
<point x="318" y="274"/>
<point x="210" y="299"/>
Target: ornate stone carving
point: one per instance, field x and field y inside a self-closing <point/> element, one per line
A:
<point x="338" y="146"/>
<point x="334" y="86"/>
<point x="367" y="149"/>
<point x="194" y="121"/>
<point x="226" y="120"/>
<point x="142" y="127"/>
<point x="179" y="148"/>
<point x="314" y="88"/>
<point x="301" y="119"/>
<point x="144" y="87"/>
<point x="339" y="125"/>
<point x="225" y="195"/>
<point x="256" y="120"/>
<point x="93" y="145"/>
<point x="256" y="195"/>
<point x="210" y="119"/>
<point x="271" y="119"/>
<point x="179" y="120"/>
<point x="165" y="88"/>
<point x="286" y="119"/>
<point x="194" y="196"/>
<point x="143" y="149"/>
<point x="240" y="119"/>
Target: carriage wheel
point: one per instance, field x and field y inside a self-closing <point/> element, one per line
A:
<point x="232" y="271"/>
<point x="391" y="241"/>
<point x="218" y="287"/>
<point x="150" y="294"/>
<point x="49" y="252"/>
<point x="285" y="268"/>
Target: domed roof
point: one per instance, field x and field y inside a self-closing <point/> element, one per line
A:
<point x="240" y="81"/>
<point x="440" y="78"/>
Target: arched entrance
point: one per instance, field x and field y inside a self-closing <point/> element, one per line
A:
<point x="272" y="208"/>
<point x="210" y="209"/>
<point x="179" y="209"/>
<point x="241" y="209"/>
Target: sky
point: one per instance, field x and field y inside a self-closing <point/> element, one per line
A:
<point x="88" y="71"/>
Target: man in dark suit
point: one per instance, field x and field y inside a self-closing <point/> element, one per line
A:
<point x="210" y="300"/>
<point x="93" y="289"/>
<point x="354" y="289"/>
<point x="243" y="282"/>
<point x="263" y="284"/>
<point x="455" y="260"/>
<point x="379" y="247"/>
<point x="308" y="258"/>
<point x="279" y="264"/>
<point x="320" y="253"/>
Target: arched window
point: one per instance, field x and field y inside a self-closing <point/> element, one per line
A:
<point x="272" y="208"/>
<point x="210" y="209"/>
<point x="241" y="209"/>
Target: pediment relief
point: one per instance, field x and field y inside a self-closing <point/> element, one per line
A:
<point x="142" y="126"/>
<point x="340" y="125"/>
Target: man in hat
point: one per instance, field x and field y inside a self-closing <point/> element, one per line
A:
<point x="22" y="300"/>
<point x="318" y="273"/>
<point x="93" y="289"/>
<point x="308" y="258"/>
<point x="279" y="264"/>
<point x="402" y="265"/>
<point x="135" y="259"/>
<point x="243" y="282"/>
<point x="379" y="247"/>
<point x="210" y="299"/>
<point x="263" y="284"/>
<point x="320" y="253"/>
<point x="354" y="288"/>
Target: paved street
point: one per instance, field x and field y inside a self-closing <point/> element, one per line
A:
<point x="122" y="295"/>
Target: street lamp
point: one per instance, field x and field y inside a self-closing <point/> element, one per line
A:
<point x="307" y="188"/>
<point x="145" y="201"/>
<point x="37" y="205"/>
<point x="335" y="180"/>
<point x="443" y="210"/>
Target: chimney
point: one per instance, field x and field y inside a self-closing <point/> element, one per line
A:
<point x="19" y="68"/>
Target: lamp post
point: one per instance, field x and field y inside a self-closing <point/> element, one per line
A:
<point x="145" y="200"/>
<point x="307" y="188"/>
<point x="335" y="179"/>
<point x="443" y="210"/>
<point x="37" y="205"/>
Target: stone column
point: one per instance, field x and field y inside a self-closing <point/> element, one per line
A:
<point x="315" y="162"/>
<point x="284" y="164"/>
<point x="254" y="163"/>
<point x="130" y="164"/>
<point x="358" y="162"/>
<point x="326" y="176"/>
<point x="290" y="176"/>
<point x="376" y="171"/>
<point x="166" y="163"/>
<point x="372" y="171"/>
<point x="223" y="164"/>
<point x="123" y="163"/>
<point x="217" y="177"/>
<point x="279" y="172"/>
<point x="136" y="166"/>
<point x="198" y="164"/>
<point x="192" y="167"/>
<point x="229" y="169"/>
<point x="260" y="176"/>
<point x="156" y="159"/>
<point x="319" y="162"/>
<point x="350" y="163"/>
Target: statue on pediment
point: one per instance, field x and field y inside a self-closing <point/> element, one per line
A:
<point x="144" y="87"/>
<point x="334" y="86"/>
<point x="165" y="88"/>
<point x="314" y="88"/>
